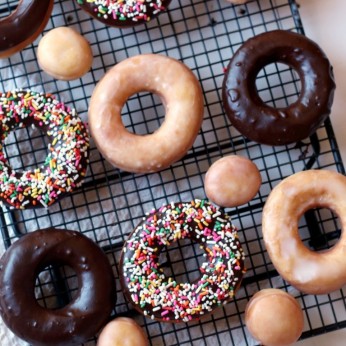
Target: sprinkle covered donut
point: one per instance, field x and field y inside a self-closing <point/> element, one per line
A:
<point x="66" y="163"/>
<point x="164" y="299"/>
<point x="124" y="13"/>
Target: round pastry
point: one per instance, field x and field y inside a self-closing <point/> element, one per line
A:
<point x="23" y="25"/>
<point x="274" y="318"/>
<point x="237" y="2"/>
<point x="164" y="299"/>
<point x="66" y="163"/>
<point x="122" y="331"/>
<point x="183" y="100"/>
<point x="82" y="317"/>
<point x="277" y="126"/>
<point x="232" y="181"/>
<point x="64" y="54"/>
<point x="311" y="272"/>
<point x="125" y="13"/>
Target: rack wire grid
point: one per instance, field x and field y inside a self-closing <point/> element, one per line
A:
<point x="204" y="35"/>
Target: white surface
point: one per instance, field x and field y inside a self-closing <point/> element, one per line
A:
<point x="324" y="22"/>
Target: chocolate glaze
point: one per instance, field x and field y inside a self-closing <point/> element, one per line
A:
<point x="127" y="20"/>
<point x="23" y="26"/>
<point x="235" y="278"/>
<point x="83" y="316"/>
<point x="276" y="126"/>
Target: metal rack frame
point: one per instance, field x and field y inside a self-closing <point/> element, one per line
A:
<point x="204" y="35"/>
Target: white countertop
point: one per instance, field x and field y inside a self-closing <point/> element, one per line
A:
<point x="324" y="22"/>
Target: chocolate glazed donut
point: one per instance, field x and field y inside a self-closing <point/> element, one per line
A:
<point x="123" y="14"/>
<point x="277" y="126"/>
<point x="74" y="323"/>
<point x="23" y="25"/>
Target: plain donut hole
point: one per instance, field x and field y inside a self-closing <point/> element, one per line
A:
<point x="181" y="260"/>
<point x="56" y="286"/>
<point x="7" y="7"/>
<point x="314" y="226"/>
<point x="278" y="85"/>
<point x="26" y="148"/>
<point x="143" y="113"/>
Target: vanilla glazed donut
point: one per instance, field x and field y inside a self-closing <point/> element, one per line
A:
<point x="311" y="272"/>
<point x="23" y="25"/>
<point x="83" y="316"/>
<point x="164" y="299"/>
<point x="68" y="151"/>
<point x="183" y="100"/>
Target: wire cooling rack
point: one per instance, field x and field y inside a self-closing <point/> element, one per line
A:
<point x="204" y="35"/>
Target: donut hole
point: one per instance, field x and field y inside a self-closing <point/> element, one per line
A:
<point x="56" y="286"/>
<point x="143" y="113"/>
<point x="319" y="229"/>
<point x="26" y="148"/>
<point x="181" y="260"/>
<point x="278" y="85"/>
<point x="7" y="7"/>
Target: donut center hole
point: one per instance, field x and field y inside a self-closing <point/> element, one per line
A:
<point x="7" y="7"/>
<point x="278" y="85"/>
<point x="56" y="286"/>
<point x="26" y="148"/>
<point x="143" y="113"/>
<point x="319" y="229"/>
<point x="181" y="260"/>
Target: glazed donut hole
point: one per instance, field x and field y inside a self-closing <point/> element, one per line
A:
<point x="274" y="318"/>
<point x="278" y="85"/>
<point x="122" y="331"/>
<point x="64" y="54"/>
<point x="232" y="181"/>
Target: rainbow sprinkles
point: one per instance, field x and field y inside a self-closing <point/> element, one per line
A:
<point x="67" y="159"/>
<point x="164" y="299"/>
<point x="124" y="12"/>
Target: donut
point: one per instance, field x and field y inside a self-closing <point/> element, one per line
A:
<point x="64" y="54"/>
<point x="274" y="318"/>
<point x="125" y="13"/>
<point x="278" y="126"/>
<point x="310" y="272"/>
<point x="23" y="25"/>
<point x="232" y="181"/>
<point x="66" y="163"/>
<point x="183" y="100"/>
<point x="122" y="331"/>
<point x="83" y="316"/>
<point x="163" y="298"/>
<point x="237" y="2"/>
